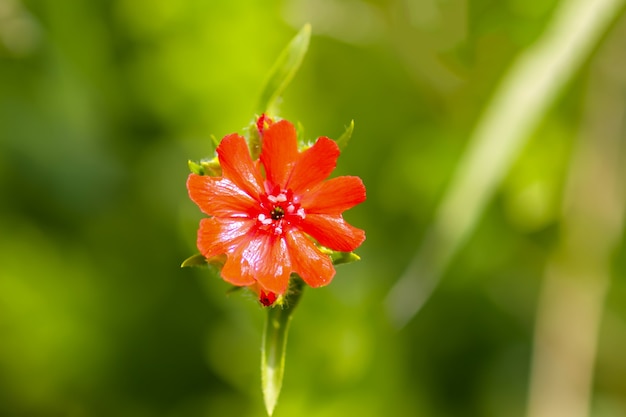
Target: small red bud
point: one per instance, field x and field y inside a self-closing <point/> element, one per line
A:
<point x="263" y="122"/>
<point x="267" y="298"/>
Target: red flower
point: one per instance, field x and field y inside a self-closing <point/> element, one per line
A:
<point x="264" y="223"/>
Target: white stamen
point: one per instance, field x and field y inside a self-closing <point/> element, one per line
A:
<point x="272" y="199"/>
<point x="281" y="198"/>
<point x="278" y="230"/>
<point x="264" y="219"/>
<point x="291" y="208"/>
<point x="300" y="213"/>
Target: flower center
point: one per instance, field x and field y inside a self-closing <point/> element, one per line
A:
<point x="277" y="213"/>
<point x="279" y="209"/>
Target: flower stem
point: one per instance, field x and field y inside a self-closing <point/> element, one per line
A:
<point x="275" y="341"/>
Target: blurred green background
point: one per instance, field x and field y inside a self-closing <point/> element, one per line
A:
<point x="102" y="102"/>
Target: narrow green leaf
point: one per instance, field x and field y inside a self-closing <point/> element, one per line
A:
<point x="275" y="342"/>
<point x="283" y="71"/>
<point x="342" y="142"/>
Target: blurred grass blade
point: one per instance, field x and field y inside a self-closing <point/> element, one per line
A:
<point x="274" y="344"/>
<point x="578" y="274"/>
<point x="283" y="71"/>
<point x="523" y="97"/>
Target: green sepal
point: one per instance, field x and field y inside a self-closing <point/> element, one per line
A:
<point x="215" y="140"/>
<point x="210" y="167"/>
<point x="343" y="140"/>
<point x="233" y="290"/>
<point x="254" y="139"/>
<point x="302" y="144"/>
<point x="274" y="343"/>
<point x="199" y="260"/>
<point x="339" y="258"/>
<point x="194" y="260"/>
<point x="195" y="167"/>
<point x="283" y="71"/>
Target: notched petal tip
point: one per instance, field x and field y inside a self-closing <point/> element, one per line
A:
<point x="259" y="258"/>
<point x="217" y="236"/>
<point x="237" y="165"/>
<point x="314" y="267"/>
<point x="333" y="232"/>
<point x="314" y="165"/>
<point x="335" y="195"/>
<point x="279" y="151"/>
<point x="217" y="196"/>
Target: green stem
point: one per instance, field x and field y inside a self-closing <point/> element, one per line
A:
<point x="275" y="342"/>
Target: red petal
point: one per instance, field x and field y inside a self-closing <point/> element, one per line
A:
<point x="237" y="165"/>
<point x="314" y="166"/>
<point x="219" y="196"/>
<point x="334" y="196"/>
<point x="333" y="232"/>
<point x="279" y="152"/>
<point x="262" y="257"/>
<point x="222" y="235"/>
<point x="315" y="268"/>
